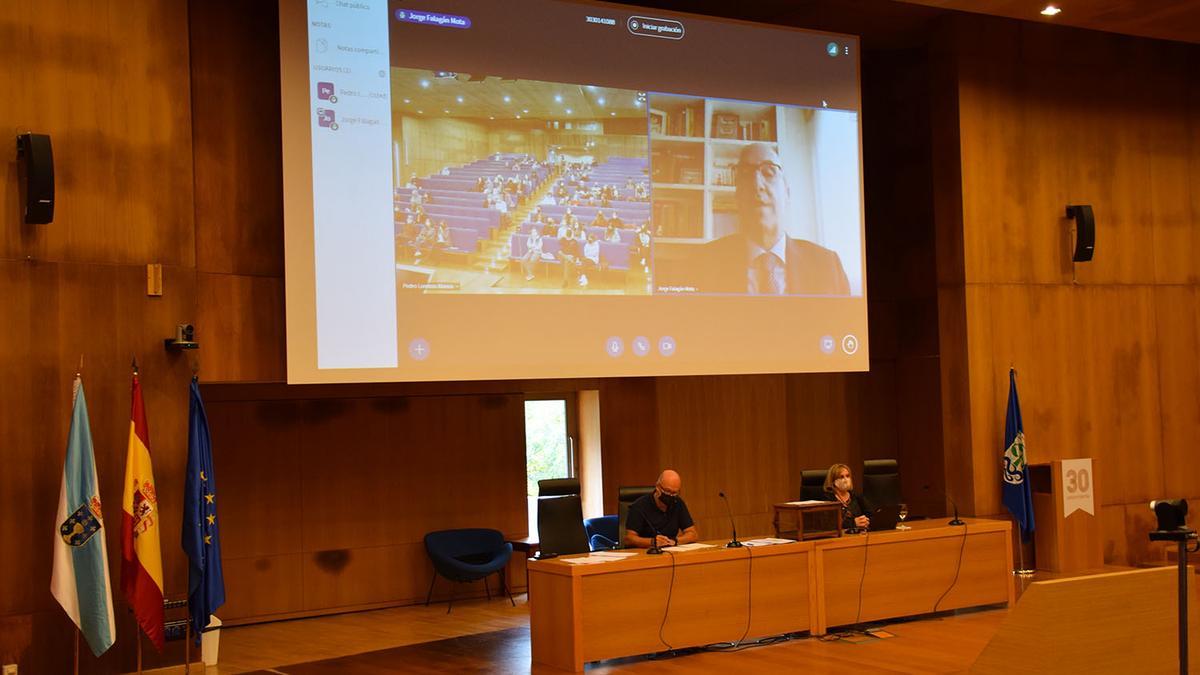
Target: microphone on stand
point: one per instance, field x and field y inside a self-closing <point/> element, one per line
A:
<point x="733" y="543"/>
<point x="654" y="549"/>
<point x="956" y="521"/>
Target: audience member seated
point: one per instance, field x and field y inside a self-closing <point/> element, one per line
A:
<point x="590" y="262"/>
<point x="640" y="249"/>
<point x="533" y="253"/>
<point x="568" y="253"/>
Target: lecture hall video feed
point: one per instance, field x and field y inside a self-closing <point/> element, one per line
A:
<point x="754" y="198"/>
<point x="507" y="186"/>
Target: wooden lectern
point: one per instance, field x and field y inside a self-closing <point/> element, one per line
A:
<point x="1064" y="543"/>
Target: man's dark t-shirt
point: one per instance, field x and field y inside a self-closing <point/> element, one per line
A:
<point x="644" y="512"/>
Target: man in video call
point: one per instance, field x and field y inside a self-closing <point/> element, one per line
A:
<point x="760" y="258"/>
<point x="661" y="511"/>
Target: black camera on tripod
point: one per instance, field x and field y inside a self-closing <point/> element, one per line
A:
<point x="1172" y="521"/>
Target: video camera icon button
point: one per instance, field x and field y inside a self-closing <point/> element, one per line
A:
<point x="666" y="345"/>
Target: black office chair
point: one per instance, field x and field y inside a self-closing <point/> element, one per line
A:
<point x="627" y="495"/>
<point x="881" y="482"/>
<point x="560" y="518"/>
<point x="558" y="487"/>
<point x="812" y="485"/>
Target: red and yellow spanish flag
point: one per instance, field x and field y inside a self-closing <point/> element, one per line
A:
<point x="141" y="555"/>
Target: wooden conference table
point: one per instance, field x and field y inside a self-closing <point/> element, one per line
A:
<point x="582" y="613"/>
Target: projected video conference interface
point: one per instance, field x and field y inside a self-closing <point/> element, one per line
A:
<point x="532" y="189"/>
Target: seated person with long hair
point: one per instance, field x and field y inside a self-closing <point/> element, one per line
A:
<point x="840" y="485"/>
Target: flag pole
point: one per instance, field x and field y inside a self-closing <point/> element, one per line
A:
<point x="1022" y="570"/>
<point x="187" y="648"/>
<point x="77" y="633"/>
<point x="138" y="631"/>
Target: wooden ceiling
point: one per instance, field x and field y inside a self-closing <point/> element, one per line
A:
<point x="1162" y="19"/>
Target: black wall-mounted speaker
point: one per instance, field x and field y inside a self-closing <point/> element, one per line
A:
<point x="35" y="161"/>
<point x="1085" y="231"/>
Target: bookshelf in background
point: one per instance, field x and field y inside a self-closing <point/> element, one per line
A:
<point x="694" y="143"/>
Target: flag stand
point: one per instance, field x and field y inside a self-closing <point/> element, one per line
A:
<point x="187" y="648"/>
<point x="1021" y="571"/>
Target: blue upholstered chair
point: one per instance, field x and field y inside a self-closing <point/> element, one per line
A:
<point x="602" y="532"/>
<point x="467" y="555"/>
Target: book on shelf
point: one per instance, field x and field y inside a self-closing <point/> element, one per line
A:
<point x="765" y="130"/>
<point x="725" y="125"/>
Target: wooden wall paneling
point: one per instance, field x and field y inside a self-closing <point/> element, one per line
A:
<point x="629" y="434"/>
<point x="52" y="313"/>
<point x="918" y="432"/>
<point x="451" y="461"/>
<point x="874" y="416"/>
<point x="823" y="424"/>
<point x="261" y="586"/>
<point x="1174" y="174"/>
<point x="234" y="48"/>
<point x="726" y="433"/>
<point x="367" y="575"/>
<point x="240" y="325"/>
<point x="1088" y="392"/>
<point x="1177" y="315"/>
<point x="111" y="90"/>
<point x="1112" y="523"/>
<point x="258" y="465"/>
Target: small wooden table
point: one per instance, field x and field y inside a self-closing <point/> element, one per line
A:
<point x="811" y="520"/>
<point x="530" y="547"/>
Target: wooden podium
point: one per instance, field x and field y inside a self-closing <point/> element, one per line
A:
<point x="1065" y="543"/>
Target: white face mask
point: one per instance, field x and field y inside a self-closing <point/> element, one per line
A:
<point x="843" y="484"/>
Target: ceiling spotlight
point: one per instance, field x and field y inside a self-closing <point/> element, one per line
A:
<point x="638" y="103"/>
<point x="613" y="114"/>
<point x="420" y="112"/>
<point x="518" y="117"/>
<point x="558" y="98"/>
<point x="407" y="101"/>
<point x="568" y="111"/>
<point x="491" y="117"/>
<point x="526" y="111"/>
<point x="425" y="83"/>
<point x="507" y="98"/>
<point x="1051" y="10"/>
<point x="458" y="98"/>
<point x="600" y="100"/>
<point x="447" y="111"/>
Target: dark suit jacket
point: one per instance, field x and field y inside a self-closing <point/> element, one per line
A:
<point x="811" y="269"/>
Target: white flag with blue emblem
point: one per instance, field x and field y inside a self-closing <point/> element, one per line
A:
<point x="80" y="578"/>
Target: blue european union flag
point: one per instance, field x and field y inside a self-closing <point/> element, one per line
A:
<point x="201" y="532"/>
<point x="1017" y="496"/>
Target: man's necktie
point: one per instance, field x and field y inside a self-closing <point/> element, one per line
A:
<point x="770" y="275"/>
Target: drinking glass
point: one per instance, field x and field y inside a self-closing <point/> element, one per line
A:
<point x="903" y="515"/>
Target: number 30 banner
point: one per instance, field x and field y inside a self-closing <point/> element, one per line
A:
<point x="1077" y="490"/>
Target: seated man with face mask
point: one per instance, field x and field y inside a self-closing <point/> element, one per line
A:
<point x="840" y="486"/>
<point x="661" y="511"/>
